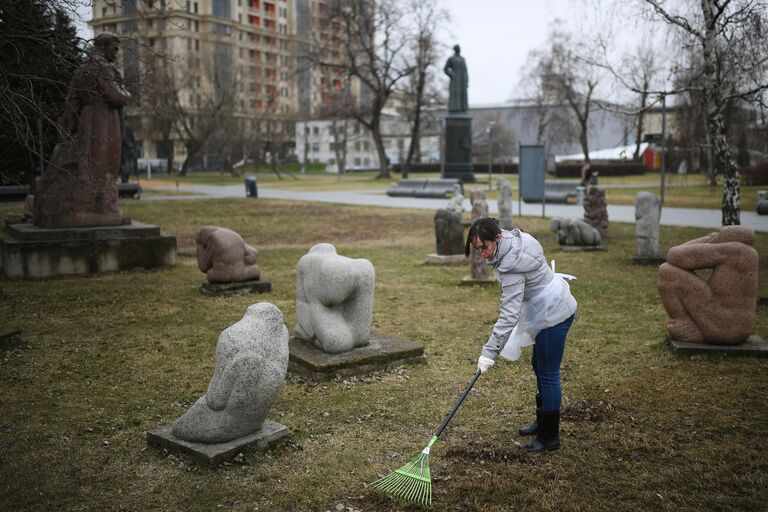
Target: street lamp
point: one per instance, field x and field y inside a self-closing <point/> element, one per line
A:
<point x="663" y="147"/>
<point x="489" y="131"/>
<point x="441" y="143"/>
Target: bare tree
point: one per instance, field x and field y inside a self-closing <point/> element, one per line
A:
<point x="730" y="38"/>
<point x="374" y="44"/>
<point x="564" y="76"/>
<point x="427" y="17"/>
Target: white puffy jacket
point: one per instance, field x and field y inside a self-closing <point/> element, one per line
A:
<point x="533" y="297"/>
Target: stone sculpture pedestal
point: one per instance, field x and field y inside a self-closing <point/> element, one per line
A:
<point x="215" y="289"/>
<point x="446" y="259"/>
<point x="30" y="252"/>
<point x="577" y="248"/>
<point x="754" y="346"/>
<point x="458" y="148"/>
<point x="382" y="352"/>
<point x="214" y="454"/>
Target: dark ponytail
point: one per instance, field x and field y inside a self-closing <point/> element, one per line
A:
<point x="485" y="229"/>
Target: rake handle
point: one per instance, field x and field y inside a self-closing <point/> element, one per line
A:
<point x="458" y="403"/>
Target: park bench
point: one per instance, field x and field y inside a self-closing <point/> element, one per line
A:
<point x="11" y="193"/>
<point x="440" y="188"/>
<point x="557" y="192"/>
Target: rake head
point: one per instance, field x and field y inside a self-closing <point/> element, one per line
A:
<point x="411" y="483"/>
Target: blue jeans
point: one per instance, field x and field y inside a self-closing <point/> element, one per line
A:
<point x="547" y="356"/>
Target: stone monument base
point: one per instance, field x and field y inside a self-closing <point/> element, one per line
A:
<point x="384" y="351"/>
<point x="31" y="252"/>
<point x="446" y="259"/>
<point x="235" y="288"/>
<point x="754" y="346"/>
<point x="648" y="261"/>
<point x="576" y="248"/>
<point x="469" y="281"/>
<point x="458" y="148"/>
<point x="214" y="454"/>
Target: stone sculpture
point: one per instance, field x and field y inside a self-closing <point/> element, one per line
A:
<point x="721" y="309"/>
<point x="334" y="299"/>
<point x="456" y="203"/>
<point x="596" y="210"/>
<point x="449" y="233"/>
<point x="479" y="211"/>
<point x="456" y="69"/>
<point x="224" y="256"/>
<point x="574" y="232"/>
<point x="251" y="363"/>
<point x="79" y="187"/>
<point x="647" y="225"/>
<point x="505" y="203"/>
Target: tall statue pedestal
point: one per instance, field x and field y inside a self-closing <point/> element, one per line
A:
<point x="458" y="147"/>
<point x="31" y="252"/>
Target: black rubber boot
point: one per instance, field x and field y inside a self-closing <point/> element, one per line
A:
<point x="548" y="435"/>
<point x="531" y="428"/>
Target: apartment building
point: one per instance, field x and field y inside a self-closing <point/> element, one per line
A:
<point x="187" y="58"/>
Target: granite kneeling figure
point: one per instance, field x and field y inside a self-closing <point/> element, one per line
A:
<point x="575" y="232"/>
<point x="251" y="363"/>
<point x="334" y="299"/>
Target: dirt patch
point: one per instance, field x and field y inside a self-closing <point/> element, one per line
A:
<point x="489" y="453"/>
<point x="588" y="409"/>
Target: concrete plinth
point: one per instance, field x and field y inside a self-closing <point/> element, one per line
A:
<point x="443" y="259"/>
<point x="469" y="281"/>
<point x="458" y="148"/>
<point x="31" y="252"/>
<point x="235" y="288"/>
<point x="754" y="346"/>
<point x="214" y="454"/>
<point x="384" y="351"/>
<point x="579" y="248"/>
<point x="648" y="261"/>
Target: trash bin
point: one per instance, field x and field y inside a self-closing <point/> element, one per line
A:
<point x="250" y="187"/>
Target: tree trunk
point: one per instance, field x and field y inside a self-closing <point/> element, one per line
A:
<point x="383" y="167"/>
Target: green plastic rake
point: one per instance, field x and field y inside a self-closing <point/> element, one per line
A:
<point x="413" y="482"/>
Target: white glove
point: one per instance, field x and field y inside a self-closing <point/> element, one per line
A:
<point x="484" y="363"/>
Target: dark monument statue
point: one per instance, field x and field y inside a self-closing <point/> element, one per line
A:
<point x="79" y="188"/>
<point x="456" y="68"/>
<point x="458" y="123"/>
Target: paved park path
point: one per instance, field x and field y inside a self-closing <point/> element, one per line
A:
<point x="692" y="217"/>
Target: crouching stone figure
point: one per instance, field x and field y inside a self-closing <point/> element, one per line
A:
<point x="334" y="299"/>
<point x="574" y="232"/>
<point x="251" y="363"/>
<point x="720" y="309"/>
<point x="224" y="256"/>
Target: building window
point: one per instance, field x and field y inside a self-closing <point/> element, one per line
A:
<point x="195" y="7"/>
<point x="222" y="8"/>
<point x="366" y="161"/>
<point x="357" y="162"/>
<point x="315" y="147"/>
<point x="315" y="130"/>
<point x="104" y="12"/>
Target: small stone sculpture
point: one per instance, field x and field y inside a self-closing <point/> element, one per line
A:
<point x="721" y="309"/>
<point x="456" y="203"/>
<point x="505" y="203"/>
<point x="449" y="233"/>
<point x="224" y="256"/>
<point x="596" y="210"/>
<point x="479" y="211"/>
<point x="79" y="187"/>
<point x="334" y="299"/>
<point x="647" y="225"/>
<point x="574" y="232"/>
<point x="251" y="363"/>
